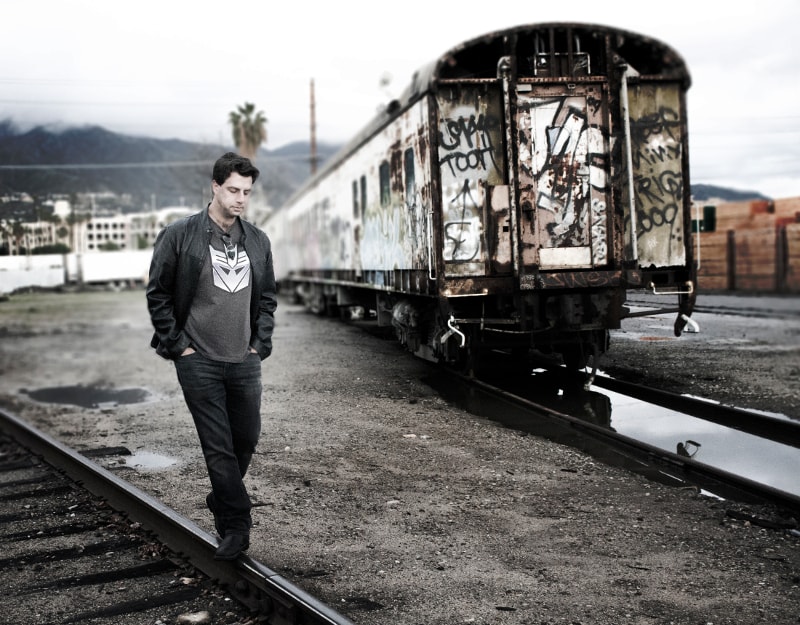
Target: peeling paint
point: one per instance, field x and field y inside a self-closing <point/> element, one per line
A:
<point x="470" y="157"/>
<point x="496" y="191"/>
<point x="563" y="180"/>
<point x="656" y="137"/>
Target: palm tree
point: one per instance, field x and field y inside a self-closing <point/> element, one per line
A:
<point x="74" y="221"/>
<point x="19" y="231"/>
<point x="249" y="129"/>
<point x="5" y="231"/>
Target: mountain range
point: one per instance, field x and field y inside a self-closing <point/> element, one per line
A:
<point x="163" y="172"/>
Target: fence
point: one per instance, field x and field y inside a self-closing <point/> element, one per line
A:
<point x="52" y="270"/>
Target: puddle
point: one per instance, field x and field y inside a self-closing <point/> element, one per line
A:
<point x="774" y="464"/>
<point x="89" y="396"/>
<point x="148" y="461"/>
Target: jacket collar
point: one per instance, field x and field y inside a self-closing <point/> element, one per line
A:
<point x="207" y="222"/>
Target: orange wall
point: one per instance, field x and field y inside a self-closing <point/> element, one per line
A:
<point x="755" y="247"/>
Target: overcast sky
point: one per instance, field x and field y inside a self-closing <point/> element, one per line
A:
<point x="176" y="68"/>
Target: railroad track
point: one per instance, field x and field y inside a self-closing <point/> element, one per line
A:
<point x="774" y="429"/>
<point x="84" y="544"/>
<point x="513" y="402"/>
<point x="709" y="304"/>
<point x="505" y="396"/>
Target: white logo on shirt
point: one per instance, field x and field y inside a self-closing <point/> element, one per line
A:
<point x="230" y="274"/>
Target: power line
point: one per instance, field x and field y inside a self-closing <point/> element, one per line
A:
<point x="205" y="163"/>
<point x="109" y="165"/>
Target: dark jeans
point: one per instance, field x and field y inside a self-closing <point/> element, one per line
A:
<point x="225" y="402"/>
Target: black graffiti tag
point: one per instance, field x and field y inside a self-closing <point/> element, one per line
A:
<point x="659" y="149"/>
<point x="657" y="136"/>
<point x="464" y="243"/>
<point x="468" y="141"/>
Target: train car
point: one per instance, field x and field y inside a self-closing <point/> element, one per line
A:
<point x="508" y="200"/>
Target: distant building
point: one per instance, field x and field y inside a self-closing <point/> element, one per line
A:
<point x="144" y="227"/>
<point x="130" y="231"/>
<point x="123" y="231"/>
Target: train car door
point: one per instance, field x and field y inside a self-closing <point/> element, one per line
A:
<point x="563" y="178"/>
<point x="654" y="150"/>
<point x="472" y="164"/>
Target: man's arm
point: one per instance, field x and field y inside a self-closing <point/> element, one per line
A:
<point x="261" y="341"/>
<point x="160" y="297"/>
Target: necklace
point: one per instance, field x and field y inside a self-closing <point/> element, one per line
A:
<point x="230" y="247"/>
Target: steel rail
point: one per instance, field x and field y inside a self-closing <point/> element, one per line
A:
<point x="763" y="426"/>
<point x="636" y="455"/>
<point x="260" y="589"/>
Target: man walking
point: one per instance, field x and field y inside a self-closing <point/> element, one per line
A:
<point x="211" y="297"/>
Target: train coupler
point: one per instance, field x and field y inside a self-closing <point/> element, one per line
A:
<point x="685" y="309"/>
<point x="453" y="330"/>
<point x="682" y="321"/>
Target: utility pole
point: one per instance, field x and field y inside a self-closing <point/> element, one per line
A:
<point x="313" y="131"/>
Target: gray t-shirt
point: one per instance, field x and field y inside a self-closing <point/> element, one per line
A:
<point x="219" y="319"/>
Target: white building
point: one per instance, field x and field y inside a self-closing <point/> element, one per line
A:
<point x="123" y="231"/>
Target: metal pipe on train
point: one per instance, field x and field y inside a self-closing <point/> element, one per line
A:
<point x="509" y="199"/>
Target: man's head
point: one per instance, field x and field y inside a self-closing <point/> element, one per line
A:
<point x="231" y="162"/>
<point x="231" y="184"/>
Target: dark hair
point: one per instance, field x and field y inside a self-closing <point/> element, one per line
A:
<point x="231" y="162"/>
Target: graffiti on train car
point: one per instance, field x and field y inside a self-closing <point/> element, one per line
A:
<point x="563" y="178"/>
<point x="395" y="215"/>
<point x="471" y="157"/>
<point x="466" y="143"/>
<point x="382" y="246"/>
<point x="656" y="146"/>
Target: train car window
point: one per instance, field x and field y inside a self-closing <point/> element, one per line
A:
<point x="411" y="185"/>
<point x="561" y="52"/>
<point x="363" y="196"/>
<point x="355" y="199"/>
<point x="386" y="197"/>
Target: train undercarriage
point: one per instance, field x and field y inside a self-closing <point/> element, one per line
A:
<point x="460" y="331"/>
<point x="571" y="324"/>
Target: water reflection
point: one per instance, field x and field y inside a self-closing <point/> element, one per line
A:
<point x="560" y="392"/>
<point x="758" y="459"/>
<point x="148" y="461"/>
<point x="761" y="460"/>
<point x="89" y="396"/>
<point x="687" y="449"/>
<point x="571" y="398"/>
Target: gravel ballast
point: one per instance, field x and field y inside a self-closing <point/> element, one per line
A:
<point x="395" y="507"/>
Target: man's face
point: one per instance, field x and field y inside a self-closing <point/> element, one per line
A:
<point x="233" y="194"/>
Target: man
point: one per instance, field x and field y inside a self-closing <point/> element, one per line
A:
<point x="211" y="297"/>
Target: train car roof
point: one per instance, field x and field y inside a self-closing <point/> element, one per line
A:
<point x="477" y="59"/>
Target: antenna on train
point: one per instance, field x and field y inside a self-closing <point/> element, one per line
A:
<point x="313" y="146"/>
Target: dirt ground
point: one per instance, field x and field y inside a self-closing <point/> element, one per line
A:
<point x="395" y="507"/>
<point x="750" y="361"/>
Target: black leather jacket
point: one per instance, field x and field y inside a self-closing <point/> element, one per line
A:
<point x="179" y="253"/>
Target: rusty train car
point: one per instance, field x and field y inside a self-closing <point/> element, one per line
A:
<point x="523" y="183"/>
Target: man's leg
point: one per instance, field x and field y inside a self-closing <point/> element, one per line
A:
<point x="203" y="383"/>
<point x="243" y="386"/>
